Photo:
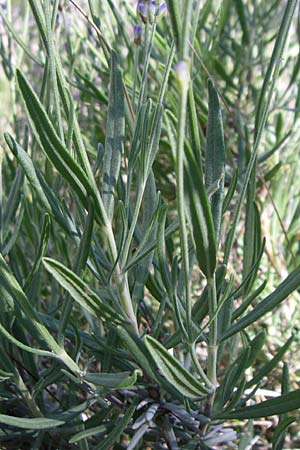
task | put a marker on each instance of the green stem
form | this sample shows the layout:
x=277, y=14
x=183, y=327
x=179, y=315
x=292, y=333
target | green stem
x=121, y=281
x=27, y=397
x=197, y=365
x=134, y=220
x=80, y=262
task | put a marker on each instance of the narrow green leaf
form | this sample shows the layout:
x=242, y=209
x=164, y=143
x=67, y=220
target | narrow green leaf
x=13, y=200
x=215, y=155
x=291, y=283
x=234, y=374
x=200, y=217
x=274, y=65
x=262, y=115
x=173, y=371
x=248, y=300
x=30, y=424
x=20, y=344
x=241, y=11
x=9, y=283
x=39, y=18
x=44, y=237
x=252, y=239
x=87, y=433
x=79, y=290
x=175, y=15
x=71, y=413
x=119, y=428
x=53, y=147
x=280, y=432
x=13, y=235
x=236, y=395
x=5, y=375
x=115, y=131
x=28, y=168
x=19, y=40
x=193, y=125
x=155, y=133
x=255, y=347
x=279, y=405
x=135, y=349
x=279, y=435
x=122, y=380
x=266, y=369
x=230, y=191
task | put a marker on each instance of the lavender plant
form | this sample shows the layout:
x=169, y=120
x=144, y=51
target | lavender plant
x=132, y=300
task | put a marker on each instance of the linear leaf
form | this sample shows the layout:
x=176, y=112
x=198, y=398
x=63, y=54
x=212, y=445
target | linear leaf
x=174, y=11
x=280, y=431
x=285, y=288
x=135, y=348
x=87, y=433
x=173, y=371
x=120, y=426
x=5, y=375
x=18, y=39
x=10, y=285
x=266, y=369
x=79, y=290
x=28, y=168
x=215, y=155
x=20, y=344
x=241, y=11
x=44, y=237
x=115, y=131
x=279, y=405
x=200, y=217
x=122, y=380
x=54, y=149
x=234, y=374
x=30, y=424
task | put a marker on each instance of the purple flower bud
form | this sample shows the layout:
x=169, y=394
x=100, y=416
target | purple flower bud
x=142, y=10
x=162, y=10
x=137, y=34
x=152, y=10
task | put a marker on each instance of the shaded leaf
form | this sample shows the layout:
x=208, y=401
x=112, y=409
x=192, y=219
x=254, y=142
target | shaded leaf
x=279, y=405
x=30, y=424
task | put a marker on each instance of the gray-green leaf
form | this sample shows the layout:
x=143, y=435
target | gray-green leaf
x=174, y=372
x=215, y=155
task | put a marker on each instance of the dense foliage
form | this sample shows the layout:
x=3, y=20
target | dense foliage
x=149, y=224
